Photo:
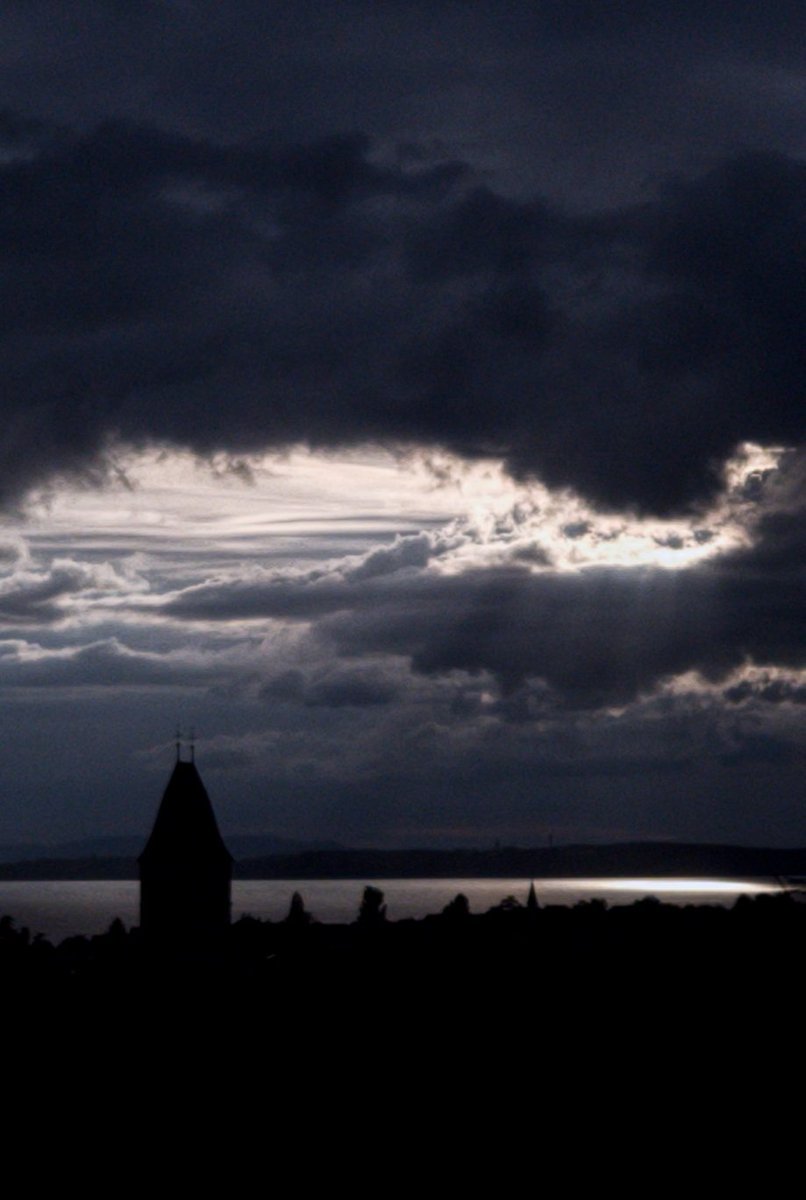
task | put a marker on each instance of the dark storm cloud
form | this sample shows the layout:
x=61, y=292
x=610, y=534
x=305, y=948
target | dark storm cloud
x=497, y=264
x=161, y=287
x=581, y=97
x=597, y=639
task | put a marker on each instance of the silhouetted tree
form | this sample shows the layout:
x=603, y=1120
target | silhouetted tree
x=458, y=908
x=373, y=910
x=298, y=916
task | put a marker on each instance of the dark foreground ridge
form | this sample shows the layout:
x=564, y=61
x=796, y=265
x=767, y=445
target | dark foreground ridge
x=557, y=951
x=580, y=1003
x=645, y=859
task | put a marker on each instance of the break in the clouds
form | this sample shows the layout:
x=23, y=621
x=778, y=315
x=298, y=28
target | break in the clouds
x=512, y=660
x=517, y=597
x=411, y=394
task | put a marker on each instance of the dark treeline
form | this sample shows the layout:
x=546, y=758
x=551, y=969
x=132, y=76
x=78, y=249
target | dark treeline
x=515, y=949
x=579, y=1005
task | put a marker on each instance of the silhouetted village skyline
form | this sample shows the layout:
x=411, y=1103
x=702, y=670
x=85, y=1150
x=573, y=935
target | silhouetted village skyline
x=187, y=941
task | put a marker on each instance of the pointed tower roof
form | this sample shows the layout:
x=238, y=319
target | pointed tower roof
x=185, y=829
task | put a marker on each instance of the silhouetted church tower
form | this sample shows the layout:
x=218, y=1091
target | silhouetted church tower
x=185, y=868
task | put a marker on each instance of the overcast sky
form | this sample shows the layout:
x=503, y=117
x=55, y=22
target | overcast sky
x=409, y=396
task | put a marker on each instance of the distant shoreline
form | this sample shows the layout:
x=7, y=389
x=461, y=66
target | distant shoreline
x=629, y=859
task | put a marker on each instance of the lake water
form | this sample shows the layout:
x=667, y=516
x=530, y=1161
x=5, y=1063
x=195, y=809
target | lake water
x=61, y=909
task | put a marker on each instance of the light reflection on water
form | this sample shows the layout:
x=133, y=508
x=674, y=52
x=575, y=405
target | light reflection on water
x=61, y=909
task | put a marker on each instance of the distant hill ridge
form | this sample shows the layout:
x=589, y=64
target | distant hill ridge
x=626, y=859
x=657, y=859
x=240, y=845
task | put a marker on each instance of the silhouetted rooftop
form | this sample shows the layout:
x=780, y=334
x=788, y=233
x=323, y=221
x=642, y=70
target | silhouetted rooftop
x=185, y=827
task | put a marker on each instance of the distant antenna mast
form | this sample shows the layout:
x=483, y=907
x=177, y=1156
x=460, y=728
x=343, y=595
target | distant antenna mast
x=192, y=744
x=178, y=744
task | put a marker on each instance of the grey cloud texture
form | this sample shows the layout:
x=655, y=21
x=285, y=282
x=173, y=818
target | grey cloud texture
x=333, y=687
x=32, y=597
x=108, y=663
x=597, y=636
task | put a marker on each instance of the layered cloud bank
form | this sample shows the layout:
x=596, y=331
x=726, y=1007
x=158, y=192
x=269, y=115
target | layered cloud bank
x=520, y=662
